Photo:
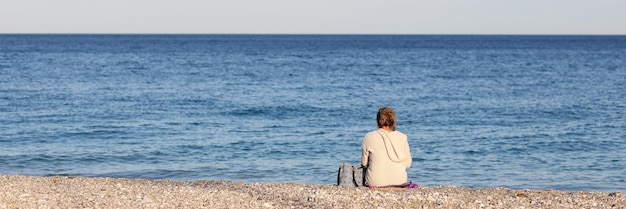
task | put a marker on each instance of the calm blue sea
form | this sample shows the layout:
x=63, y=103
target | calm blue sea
x=539, y=112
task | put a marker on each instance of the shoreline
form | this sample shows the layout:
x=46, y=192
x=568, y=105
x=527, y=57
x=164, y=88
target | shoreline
x=18, y=191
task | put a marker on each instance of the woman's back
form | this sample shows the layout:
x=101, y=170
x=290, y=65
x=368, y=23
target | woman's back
x=387, y=156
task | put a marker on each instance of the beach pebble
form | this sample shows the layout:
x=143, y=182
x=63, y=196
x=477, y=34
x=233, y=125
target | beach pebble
x=81, y=192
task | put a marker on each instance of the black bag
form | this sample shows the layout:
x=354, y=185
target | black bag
x=351, y=176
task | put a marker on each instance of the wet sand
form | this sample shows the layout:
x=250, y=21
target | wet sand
x=81, y=192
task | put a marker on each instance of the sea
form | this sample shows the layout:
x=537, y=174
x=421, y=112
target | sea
x=480, y=111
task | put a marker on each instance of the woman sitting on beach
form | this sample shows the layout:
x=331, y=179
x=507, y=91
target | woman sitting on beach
x=385, y=152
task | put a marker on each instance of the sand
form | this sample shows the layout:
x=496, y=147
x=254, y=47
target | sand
x=82, y=192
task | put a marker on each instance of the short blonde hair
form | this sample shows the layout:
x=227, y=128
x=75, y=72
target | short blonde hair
x=386, y=117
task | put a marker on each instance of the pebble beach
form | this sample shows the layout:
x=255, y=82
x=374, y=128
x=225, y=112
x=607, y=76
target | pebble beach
x=86, y=192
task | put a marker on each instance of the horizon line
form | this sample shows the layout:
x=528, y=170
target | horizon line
x=336, y=34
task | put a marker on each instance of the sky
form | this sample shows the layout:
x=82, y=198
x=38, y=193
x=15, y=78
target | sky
x=314, y=16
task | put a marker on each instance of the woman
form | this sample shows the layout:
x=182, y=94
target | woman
x=385, y=152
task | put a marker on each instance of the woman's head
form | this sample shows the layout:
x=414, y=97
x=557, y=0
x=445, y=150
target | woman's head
x=386, y=117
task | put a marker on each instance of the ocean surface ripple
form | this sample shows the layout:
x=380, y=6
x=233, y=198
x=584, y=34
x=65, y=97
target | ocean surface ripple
x=541, y=112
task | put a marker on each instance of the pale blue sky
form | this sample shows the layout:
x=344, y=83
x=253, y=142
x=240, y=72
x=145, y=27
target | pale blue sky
x=315, y=16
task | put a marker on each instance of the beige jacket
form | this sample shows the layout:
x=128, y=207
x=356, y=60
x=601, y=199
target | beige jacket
x=386, y=159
